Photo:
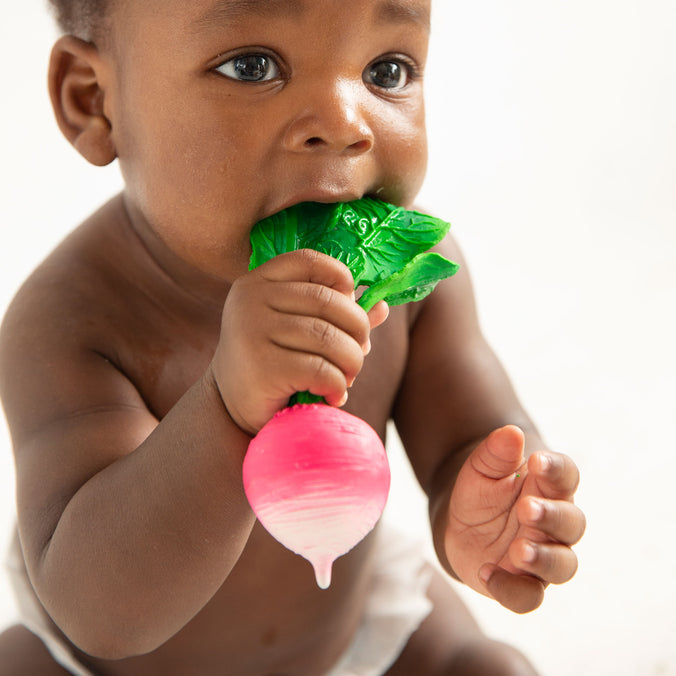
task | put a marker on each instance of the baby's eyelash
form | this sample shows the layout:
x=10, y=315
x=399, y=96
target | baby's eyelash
x=414, y=70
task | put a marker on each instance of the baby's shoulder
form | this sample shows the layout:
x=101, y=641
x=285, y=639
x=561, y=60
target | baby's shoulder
x=77, y=290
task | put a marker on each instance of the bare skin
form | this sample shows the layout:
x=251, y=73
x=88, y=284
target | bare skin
x=138, y=360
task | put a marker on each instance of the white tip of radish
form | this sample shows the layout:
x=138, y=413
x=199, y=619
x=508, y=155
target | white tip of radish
x=323, y=572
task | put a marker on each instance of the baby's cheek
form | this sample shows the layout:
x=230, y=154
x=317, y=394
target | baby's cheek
x=404, y=161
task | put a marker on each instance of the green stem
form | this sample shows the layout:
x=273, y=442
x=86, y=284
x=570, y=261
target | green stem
x=306, y=398
x=367, y=301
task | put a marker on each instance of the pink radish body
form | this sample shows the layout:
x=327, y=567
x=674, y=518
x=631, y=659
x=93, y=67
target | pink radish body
x=317, y=478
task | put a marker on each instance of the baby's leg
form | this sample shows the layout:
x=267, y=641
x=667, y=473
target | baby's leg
x=450, y=643
x=23, y=654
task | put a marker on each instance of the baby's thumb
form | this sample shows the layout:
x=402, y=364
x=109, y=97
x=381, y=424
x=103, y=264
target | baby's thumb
x=501, y=453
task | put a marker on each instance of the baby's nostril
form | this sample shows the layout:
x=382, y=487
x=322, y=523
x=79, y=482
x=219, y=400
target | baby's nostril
x=314, y=141
x=361, y=146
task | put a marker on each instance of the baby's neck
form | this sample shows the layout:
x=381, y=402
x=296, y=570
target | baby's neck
x=208, y=290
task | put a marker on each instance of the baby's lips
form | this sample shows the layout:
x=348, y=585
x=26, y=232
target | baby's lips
x=320, y=195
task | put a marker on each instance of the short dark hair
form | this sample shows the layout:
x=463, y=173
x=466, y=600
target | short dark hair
x=83, y=18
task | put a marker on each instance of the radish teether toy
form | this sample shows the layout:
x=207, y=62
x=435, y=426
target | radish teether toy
x=317, y=477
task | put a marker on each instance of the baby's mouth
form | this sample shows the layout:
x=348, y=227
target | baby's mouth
x=325, y=197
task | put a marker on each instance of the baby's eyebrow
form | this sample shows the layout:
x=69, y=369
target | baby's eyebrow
x=228, y=11
x=405, y=11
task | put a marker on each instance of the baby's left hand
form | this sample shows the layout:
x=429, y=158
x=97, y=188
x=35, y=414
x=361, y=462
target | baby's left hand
x=511, y=523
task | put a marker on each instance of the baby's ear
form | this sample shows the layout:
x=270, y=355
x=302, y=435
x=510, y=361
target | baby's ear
x=77, y=96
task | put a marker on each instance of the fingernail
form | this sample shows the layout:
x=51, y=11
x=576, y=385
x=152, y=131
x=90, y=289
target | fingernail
x=545, y=462
x=367, y=346
x=537, y=510
x=343, y=401
x=485, y=574
x=529, y=553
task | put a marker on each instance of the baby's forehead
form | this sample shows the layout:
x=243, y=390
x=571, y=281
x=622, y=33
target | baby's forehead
x=152, y=19
x=218, y=10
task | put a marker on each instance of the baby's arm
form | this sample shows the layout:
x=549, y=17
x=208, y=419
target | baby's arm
x=456, y=416
x=129, y=524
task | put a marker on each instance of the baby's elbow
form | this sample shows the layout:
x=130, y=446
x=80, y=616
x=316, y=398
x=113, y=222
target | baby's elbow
x=108, y=639
x=99, y=614
x=104, y=625
x=103, y=646
x=105, y=632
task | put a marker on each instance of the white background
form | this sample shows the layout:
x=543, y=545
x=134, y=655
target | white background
x=553, y=153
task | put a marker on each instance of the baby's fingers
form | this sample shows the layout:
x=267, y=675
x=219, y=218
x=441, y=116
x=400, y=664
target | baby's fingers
x=558, y=520
x=378, y=313
x=557, y=476
x=551, y=562
x=519, y=593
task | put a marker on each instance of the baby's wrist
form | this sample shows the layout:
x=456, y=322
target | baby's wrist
x=227, y=406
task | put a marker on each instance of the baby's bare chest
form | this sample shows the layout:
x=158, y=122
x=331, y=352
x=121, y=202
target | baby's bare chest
x=164, y=354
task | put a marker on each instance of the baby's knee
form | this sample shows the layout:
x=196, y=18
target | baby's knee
x=485, y=656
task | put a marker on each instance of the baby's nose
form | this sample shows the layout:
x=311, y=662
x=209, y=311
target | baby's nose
x=331, y=118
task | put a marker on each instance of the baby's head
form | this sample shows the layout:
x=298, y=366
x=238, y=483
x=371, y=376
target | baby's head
x=84, y=18
x=222, y=112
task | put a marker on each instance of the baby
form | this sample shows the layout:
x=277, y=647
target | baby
x=139, y=359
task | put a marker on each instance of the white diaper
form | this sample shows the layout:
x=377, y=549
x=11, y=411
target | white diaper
x=396, y=606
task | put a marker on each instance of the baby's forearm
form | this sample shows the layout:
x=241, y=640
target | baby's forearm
x=146, y=542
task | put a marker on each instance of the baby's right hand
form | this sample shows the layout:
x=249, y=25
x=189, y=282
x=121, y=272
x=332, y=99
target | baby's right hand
x=288, y=326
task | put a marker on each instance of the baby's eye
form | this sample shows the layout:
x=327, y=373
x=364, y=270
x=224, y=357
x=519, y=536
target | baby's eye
x=388, y=74
x=250, y=68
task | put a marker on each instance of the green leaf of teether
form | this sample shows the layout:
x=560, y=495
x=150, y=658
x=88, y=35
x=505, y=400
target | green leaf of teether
x=413, y=282
x=383, y=245
x=374, y=239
